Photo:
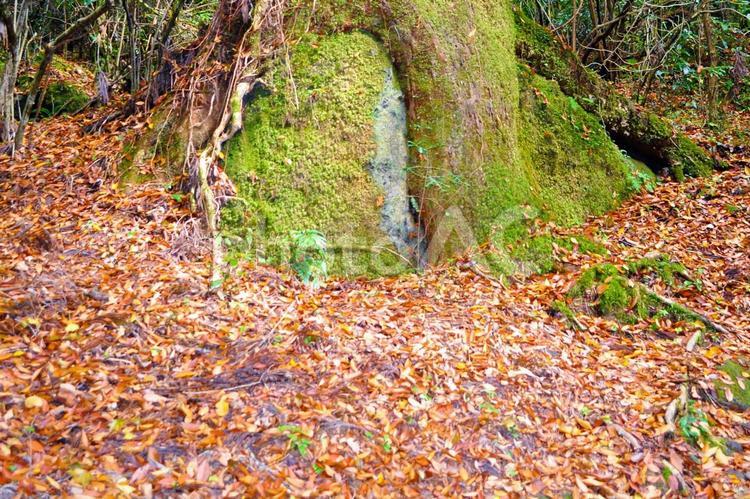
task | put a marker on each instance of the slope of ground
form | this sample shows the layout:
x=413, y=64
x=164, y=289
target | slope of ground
x=120, y=374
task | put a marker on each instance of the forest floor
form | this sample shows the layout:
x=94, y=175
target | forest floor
x=120, y=373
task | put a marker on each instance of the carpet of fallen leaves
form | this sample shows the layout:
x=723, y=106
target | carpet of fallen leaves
x=121, y=375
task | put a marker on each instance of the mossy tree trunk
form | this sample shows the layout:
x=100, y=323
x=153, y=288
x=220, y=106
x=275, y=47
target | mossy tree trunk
x=642, y=133
x=488, y=140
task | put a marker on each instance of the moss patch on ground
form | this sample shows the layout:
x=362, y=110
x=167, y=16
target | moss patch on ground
x=537, y=254
x=616, y=292
x=661, y=267
x=739, y=373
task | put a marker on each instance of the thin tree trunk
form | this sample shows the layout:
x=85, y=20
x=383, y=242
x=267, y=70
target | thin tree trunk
x=167, y=31
x=49, y=52
x=712, y=82
x=16, y=31
x=574, y=28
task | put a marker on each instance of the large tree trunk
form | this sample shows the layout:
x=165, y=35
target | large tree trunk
x=491, y=144
x=642, y=133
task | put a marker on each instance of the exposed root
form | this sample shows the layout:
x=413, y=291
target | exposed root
x=688, y=312
x=205, y=174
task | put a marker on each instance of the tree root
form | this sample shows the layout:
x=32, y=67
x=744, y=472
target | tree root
x=473, y=267
x=687, y=312
x=210, y=209
x=245, y=73
x=710, y=396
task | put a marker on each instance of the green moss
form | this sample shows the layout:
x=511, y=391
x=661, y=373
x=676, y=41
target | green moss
x=562, y=308
x=538, y=253
x=536, y=46
x=616, y=298
x=489, y=139
x=582, y=244
x=158, y=152
x=739, y=372
x=464, y=127
x=661, y=266
x=691, y=158
x=300, y=162
x=62, y=98
x=591, y=277
x=64, y=93
x=574, y=168
x=614, y=294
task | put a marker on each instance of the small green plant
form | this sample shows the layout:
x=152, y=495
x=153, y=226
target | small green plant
x=733, y=209
x=512, y=428
x=694, y=426
x=437, y=182
x=638, y=179
x=489, y=408
x=309, y=257
x=697, y=284
x=387, y=444
x=666, y=473
x=297, y=439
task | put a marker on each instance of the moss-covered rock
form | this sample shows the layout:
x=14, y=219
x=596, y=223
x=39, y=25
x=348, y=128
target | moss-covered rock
x=488, y=139
x=739, y=387
x=63, y=91
x=62, y=98
x=642, y=133
x=574, y=169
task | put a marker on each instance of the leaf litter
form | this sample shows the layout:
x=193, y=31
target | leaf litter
x=121, y=375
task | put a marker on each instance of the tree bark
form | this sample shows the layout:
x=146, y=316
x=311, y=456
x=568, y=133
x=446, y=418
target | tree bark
x=15, y=26
x=49, y=52
x=712, y=82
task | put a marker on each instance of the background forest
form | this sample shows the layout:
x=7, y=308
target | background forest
x=690, y=57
